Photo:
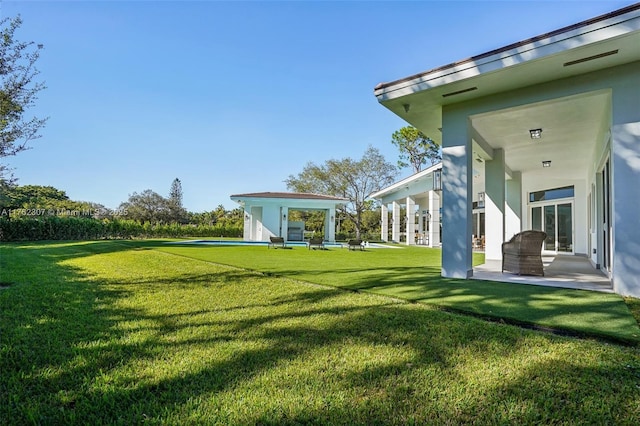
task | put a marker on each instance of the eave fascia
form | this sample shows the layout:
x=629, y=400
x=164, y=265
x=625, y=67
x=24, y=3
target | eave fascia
x=541, y=47
x=292, y=203
x=396, y=187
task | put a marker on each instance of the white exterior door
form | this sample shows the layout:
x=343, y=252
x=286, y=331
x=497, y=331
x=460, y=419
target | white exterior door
x=556, y=219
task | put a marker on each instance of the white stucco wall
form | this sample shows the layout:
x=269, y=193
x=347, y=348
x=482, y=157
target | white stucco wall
x=625, y=168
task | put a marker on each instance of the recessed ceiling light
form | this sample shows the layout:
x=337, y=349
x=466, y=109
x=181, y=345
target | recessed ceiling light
x=535, y=133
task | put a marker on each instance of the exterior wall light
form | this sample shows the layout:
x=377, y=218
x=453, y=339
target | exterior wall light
x=546, y=163
x=480, y=200
x=437, y=180
x=535, y=133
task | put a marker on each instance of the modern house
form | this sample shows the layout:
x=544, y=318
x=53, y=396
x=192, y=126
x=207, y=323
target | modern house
x=419, y=194
x=546, y=132
x=266, y=214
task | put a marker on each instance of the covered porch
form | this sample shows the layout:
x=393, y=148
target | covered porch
x=414, y=203
x=545, y=132
x=267, y=214
x=574, y=272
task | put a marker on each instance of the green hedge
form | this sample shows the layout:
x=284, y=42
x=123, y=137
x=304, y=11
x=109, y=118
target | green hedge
x=365, y=236
x=77, y=228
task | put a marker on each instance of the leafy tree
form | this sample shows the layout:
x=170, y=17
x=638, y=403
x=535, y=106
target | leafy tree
x=218, y=216
x=371, y=221
x=352, y=179
x=37, y=196
x=219, y=213
x=175, y=193
x=47, y=198
x=203, y=218
x=148, y=206
x=177, y=213
x=6, y=186
x=229, y=218
x=18, y=91
x=415, y=148
x=313, y=220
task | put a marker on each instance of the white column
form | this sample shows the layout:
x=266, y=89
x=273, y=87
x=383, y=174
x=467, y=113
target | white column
x=395, y=222
x=513, y=208
x=284, y=222
x=411, y=221
x=625, y=175
x=421, y=209
x=384, y=222
x=246, y=230
x=457, y=202
x=330, y=225
x=494, y=203
x=434, y=221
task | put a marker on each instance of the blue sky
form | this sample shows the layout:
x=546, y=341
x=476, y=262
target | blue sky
x=233, y=97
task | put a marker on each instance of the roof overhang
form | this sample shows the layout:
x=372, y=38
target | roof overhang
x=417, y=183
x=291, y=199
x=599, y=43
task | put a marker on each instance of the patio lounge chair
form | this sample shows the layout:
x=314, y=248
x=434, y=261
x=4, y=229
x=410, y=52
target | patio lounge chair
x=355, y=244
x=277, y=242
x=522, y=253
x=316, y=243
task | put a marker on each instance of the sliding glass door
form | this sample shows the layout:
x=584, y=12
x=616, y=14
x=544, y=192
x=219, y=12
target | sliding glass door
x=557, y=221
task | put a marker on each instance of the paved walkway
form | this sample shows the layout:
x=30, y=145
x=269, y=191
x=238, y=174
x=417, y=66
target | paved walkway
x=560, y=271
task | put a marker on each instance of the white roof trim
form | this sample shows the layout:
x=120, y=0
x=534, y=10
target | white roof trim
x=404, y=182
x=539, y=48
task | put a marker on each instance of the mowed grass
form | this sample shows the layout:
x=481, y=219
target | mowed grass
x=413, y=274
x=110, y=333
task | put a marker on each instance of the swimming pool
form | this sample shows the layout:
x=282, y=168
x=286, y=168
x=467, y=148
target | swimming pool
x=266, y=243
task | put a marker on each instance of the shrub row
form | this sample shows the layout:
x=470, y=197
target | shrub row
x=78, y=228
x=365, y=236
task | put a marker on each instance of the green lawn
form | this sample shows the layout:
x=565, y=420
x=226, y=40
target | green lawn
x=129, y=333
x=413, y=274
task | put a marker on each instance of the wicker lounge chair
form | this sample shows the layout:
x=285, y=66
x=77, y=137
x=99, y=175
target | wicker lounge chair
x=522, y=254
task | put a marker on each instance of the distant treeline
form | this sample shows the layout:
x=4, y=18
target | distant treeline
x=30, y=228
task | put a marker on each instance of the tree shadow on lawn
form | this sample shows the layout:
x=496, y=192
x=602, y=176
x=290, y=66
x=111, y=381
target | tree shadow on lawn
x=68, y=357
x=565, y=311
x=61, y=250
x=568, y=311
x=52, y=376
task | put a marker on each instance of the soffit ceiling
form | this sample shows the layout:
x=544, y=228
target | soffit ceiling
x=571, y=128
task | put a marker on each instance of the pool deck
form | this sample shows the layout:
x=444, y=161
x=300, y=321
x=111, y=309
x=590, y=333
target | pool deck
x=265, y=243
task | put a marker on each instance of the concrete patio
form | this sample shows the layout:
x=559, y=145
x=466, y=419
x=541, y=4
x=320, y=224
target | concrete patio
x=562, y=271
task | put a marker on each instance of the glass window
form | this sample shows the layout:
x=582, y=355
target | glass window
x=550, y=227
x=552, y=194
x=565, y=228
x=536, y=218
